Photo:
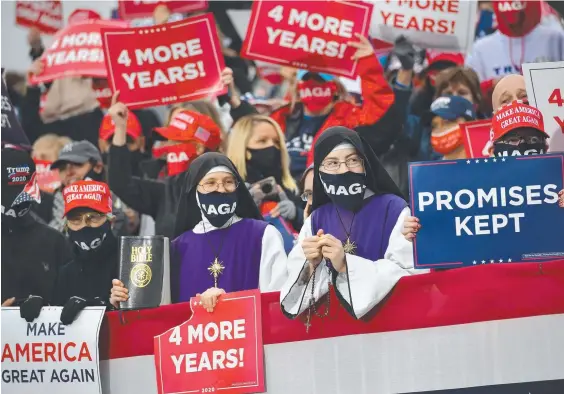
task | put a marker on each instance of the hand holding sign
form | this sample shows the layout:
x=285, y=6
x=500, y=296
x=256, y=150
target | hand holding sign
x=210, y=297
x=363, y=47
x=119, y=113
x=410, y=227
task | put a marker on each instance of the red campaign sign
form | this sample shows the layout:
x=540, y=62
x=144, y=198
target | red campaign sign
x=47, y=16
x=129, y=9
x=220, y=351
x=76, y=52
x=476, y=136
x=165, y=64
x=307, y=34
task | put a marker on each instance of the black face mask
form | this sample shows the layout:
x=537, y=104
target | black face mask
x=267, y=161
x=95, y=176
x=90, y=239
x=14, y=215
x=218, y=207
x=504, y=150
x=345, y=190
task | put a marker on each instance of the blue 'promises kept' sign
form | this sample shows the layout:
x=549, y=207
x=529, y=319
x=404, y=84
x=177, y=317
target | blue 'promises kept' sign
x=488, y=211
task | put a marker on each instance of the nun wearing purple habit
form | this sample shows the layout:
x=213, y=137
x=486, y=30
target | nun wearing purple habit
x=224, y=246
x=353, y=237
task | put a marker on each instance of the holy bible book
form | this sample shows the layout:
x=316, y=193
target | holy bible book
x=145, y=271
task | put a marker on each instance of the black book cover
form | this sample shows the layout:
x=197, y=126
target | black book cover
x=144, y=270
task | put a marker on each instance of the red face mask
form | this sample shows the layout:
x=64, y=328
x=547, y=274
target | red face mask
x=47, y=179
x=178, y=157
x=517, y=18
x=447, y=140
x=103, y=92
x=316, y=96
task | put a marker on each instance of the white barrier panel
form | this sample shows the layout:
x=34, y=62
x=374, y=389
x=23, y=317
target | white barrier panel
x=439, y=358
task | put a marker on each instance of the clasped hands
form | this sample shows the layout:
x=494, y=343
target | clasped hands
x=324, y=246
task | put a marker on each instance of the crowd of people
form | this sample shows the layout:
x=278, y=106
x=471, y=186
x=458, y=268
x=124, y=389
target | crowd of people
x=290, y=192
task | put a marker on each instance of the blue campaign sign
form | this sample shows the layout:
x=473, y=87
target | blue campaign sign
x=488, y=211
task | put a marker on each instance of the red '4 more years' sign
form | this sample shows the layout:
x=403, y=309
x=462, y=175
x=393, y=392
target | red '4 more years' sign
x=476, y=137
x=132, y=9
x=307, y=34
x=218, y=352
x=76, y=52
x=47, y=16
x=165, y=64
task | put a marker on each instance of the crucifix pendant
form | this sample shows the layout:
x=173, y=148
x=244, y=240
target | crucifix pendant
x=216, y=268
x=349, y=246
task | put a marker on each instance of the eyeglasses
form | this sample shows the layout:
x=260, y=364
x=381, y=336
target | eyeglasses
x=306, y=196
x=212, y=186
x=89, y=218
x=517, y=139
x=333, y=165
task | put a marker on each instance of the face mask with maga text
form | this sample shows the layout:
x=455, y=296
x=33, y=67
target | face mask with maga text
x=178, y=157
x=345, y=190
x=316, y=96
x=218, y=207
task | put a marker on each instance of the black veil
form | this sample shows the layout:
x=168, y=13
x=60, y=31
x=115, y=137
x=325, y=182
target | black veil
x=377, y=178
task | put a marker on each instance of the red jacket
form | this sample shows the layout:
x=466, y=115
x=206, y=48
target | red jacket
x=377, y=96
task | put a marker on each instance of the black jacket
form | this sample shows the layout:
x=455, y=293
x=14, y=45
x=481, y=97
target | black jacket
x=31, y=256
x=88, y=275
x=158, y=199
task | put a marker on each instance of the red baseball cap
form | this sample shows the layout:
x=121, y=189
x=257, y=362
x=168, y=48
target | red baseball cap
x=107, y=127
x=88, y=194
x=81, y=15
x=188, y=126
x=516, y=115
x=434, y=56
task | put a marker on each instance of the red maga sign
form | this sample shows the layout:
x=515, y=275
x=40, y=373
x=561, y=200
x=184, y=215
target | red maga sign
x=76, y=52
x=144, y=8
x=213, y=352
x=47, y=16
x=307, y=34
x=165, y=64
x=476, y=136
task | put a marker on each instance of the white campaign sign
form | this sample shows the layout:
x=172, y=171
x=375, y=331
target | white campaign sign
x=47, y=357
x=445, y=25
x=545, y=90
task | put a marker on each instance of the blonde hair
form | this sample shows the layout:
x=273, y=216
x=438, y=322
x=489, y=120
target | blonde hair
x=237, y=147
x=50, y=142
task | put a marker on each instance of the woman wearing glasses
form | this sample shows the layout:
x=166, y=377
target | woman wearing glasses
x=226, y=246
x=353, y=238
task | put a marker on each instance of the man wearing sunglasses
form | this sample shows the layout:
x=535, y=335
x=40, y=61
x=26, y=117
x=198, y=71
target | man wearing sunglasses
x=87, y=280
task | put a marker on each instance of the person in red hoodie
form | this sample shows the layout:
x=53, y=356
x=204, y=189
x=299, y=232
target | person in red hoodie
x=318, y=106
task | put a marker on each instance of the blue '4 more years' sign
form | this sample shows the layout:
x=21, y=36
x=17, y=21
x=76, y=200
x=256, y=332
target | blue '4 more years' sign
x=488, y=211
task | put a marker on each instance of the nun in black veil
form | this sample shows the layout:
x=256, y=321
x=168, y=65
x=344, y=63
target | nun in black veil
x=224, y=245
x=353, y=237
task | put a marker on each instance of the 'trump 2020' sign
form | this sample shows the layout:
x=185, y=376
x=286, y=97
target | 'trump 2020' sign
x=214, y=352
x=47, y=357
x=486, y=211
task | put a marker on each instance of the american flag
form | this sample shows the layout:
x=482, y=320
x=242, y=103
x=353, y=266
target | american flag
x=202, y=134
x=30, y=193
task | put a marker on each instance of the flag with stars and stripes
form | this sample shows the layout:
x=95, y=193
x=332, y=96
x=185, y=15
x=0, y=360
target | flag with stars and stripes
x=30, y=193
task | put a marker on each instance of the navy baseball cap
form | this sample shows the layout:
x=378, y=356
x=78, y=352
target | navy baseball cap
x=452, y=108
x=303, y=74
